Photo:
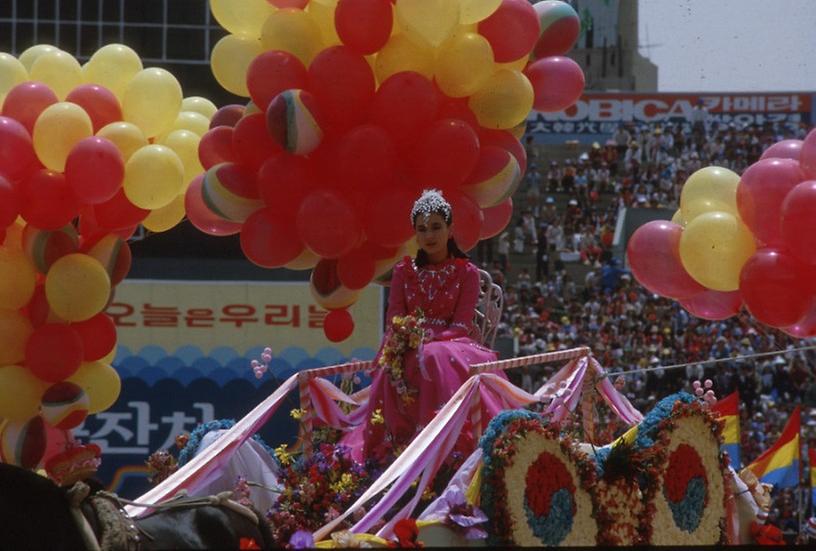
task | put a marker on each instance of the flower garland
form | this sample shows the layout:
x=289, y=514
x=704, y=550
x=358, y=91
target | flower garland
x=406, y=334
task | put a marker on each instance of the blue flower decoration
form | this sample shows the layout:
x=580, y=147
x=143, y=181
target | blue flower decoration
x=554, y=527
x=688, y=512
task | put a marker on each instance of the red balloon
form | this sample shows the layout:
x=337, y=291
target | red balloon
x=284, y=181
x=100, y=103
x=229, y=115
x=38, y=308
x=252, y=143
x=215, y=147
x=807, y=156
x=98, y=336
x=467, y=221
x=805, y=327
x=496, y=219
x=118, y=213
x=343, y=83
x=506, y=140
x=9, y=203
x=364, y=25
x=202, y=217
x=457, y=108
x=512, y=30
x=356, y=269
x=271, y=73
x=2, y=236
x=17, y=156
x=713, y=305
x=54, y=352
x=557, y=81
x=785, y=149
x=654, y=256
x=799, y=221
x=269, y=240
x=760, y=193
x=116, y=256
x=445, y=154
x=47, y=201
x=777, y=288
x=327, y=224
x=389, y=224
x=404, y=105
x=338, y=325
x=365, y=158
x=94, y=170
x=26, y=101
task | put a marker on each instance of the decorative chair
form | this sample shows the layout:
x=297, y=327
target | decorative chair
x=488, y=309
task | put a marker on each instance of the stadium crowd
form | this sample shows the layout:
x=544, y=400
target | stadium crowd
x=567, y=216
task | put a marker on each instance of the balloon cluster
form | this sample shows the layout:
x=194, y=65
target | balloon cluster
x=740, y=240
x=86, y=154
x=356, y=106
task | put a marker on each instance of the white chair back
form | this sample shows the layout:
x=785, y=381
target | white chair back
x=488, y=309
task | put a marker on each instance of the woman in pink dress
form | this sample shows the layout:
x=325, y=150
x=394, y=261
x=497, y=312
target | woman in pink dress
x=442, y=287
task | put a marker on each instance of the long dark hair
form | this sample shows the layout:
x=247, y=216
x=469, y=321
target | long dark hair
x=453, y=249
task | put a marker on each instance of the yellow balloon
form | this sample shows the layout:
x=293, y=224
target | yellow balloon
x=100, y=382
x=473, y=11
x=185, y=144
x=194, y=122
x=517, y=65
x=77, y=287
x=113, y=66
x=430, y=21
x=152, y=101
x=17, y=279
x=154, y=176
x=400, y=54
x=322, y=13
x=519, y=130
x=242, y=16
x=199, y=105
x=126, y=136
x=12, y=73
x=15, y=329
x=713, y=248
x=20, y=393
x=166, y=217
x=464, y=65
x=292, y=31
x=712, y=188
x=305, y=261
x=59, y=70
x=57, y=130
x=14, y=235
x=28, y=57
x=108, y=359
x=678, y=217
x=504, y=101
x=230, y=61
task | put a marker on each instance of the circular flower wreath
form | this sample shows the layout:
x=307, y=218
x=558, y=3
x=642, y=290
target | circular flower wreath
x=688, y=494
x=534, y=485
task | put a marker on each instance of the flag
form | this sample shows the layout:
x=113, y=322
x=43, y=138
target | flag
x=812, y=461
x=779, y=465
x=728, y=410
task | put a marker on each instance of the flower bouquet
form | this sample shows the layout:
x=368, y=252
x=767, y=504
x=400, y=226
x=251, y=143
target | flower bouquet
x=406, y=333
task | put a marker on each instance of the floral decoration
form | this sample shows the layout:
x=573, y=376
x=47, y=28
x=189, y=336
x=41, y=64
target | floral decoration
x=406, y=333
x=193, y=441
x=317, y=489
x=686, y=487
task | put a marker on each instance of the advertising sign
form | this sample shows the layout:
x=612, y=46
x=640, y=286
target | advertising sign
x=594, y=117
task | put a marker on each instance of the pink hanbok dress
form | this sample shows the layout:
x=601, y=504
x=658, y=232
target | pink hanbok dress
x=447, y=295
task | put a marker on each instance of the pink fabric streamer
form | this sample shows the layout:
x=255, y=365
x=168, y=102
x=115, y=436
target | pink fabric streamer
x=196, y=473
x=324, y=397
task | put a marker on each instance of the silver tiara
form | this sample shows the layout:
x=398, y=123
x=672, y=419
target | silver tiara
x=429, y=202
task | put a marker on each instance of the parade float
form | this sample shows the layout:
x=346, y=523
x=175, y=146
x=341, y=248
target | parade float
x=354, y=103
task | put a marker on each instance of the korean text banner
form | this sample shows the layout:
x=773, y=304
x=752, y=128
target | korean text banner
x=238, y=315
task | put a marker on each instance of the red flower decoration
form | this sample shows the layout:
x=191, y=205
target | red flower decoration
x=248, y=543
x=407, y=534
x=544, y=477
x=684, y=464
